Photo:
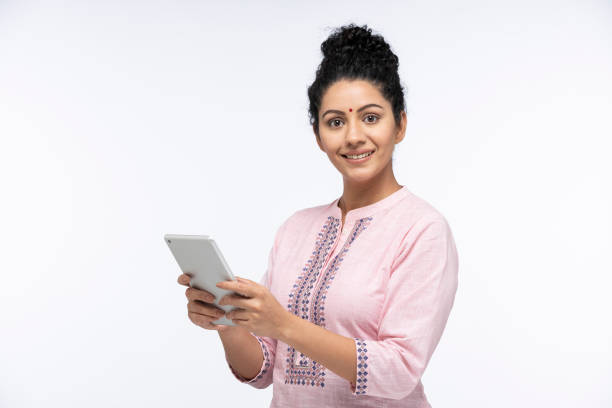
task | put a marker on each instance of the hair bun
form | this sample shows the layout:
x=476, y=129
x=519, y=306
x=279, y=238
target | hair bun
x=352, y=43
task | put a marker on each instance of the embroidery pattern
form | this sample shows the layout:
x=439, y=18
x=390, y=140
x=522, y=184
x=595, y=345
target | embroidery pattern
x=266, y=357
x=266, y=365
x=299, y=299
x=305, y=371
x=362, y=365
x=300, y=290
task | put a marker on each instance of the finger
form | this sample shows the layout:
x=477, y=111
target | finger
x=220, y=327
x=253, y=287
x=238, y=314
x=235, y=300
x=239, y=322
x=198, y=294
x=184, y=279
x=209, y=311
x=242, y=288
x=202, y=321
x=244, y=280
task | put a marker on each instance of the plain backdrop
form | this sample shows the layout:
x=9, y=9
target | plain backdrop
x=121, y=121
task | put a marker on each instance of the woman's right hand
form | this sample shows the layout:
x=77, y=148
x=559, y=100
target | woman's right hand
x=201, y=309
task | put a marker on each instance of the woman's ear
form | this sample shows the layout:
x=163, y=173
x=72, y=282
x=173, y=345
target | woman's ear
x=402, y=128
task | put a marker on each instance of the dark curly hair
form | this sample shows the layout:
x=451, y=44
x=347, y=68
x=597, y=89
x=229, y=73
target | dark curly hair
x=352, y=52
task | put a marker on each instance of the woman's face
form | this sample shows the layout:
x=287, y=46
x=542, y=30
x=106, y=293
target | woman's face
x=351, y=123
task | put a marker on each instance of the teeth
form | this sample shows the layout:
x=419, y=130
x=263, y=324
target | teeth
x=359, y=156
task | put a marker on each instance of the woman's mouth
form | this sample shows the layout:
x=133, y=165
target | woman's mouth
x=361, y=158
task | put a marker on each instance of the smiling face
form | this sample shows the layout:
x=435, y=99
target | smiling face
x=355, y=118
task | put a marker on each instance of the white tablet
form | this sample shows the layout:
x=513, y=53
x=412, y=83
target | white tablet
x=199, y=257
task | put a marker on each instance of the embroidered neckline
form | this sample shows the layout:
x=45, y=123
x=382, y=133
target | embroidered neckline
x=368, y=210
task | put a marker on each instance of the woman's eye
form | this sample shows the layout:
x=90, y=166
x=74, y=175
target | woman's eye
x=333, y=121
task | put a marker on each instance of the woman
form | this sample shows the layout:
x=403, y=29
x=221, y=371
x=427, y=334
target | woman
x=358, y=291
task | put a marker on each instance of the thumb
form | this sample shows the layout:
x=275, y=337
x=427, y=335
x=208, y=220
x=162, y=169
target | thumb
x=221, y=327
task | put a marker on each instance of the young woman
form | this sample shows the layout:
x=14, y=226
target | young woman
x=357, y=291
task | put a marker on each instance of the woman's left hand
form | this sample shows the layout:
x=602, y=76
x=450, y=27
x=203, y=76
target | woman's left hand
x=259, y=312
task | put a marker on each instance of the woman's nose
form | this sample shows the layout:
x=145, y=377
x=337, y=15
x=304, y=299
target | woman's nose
x=353, y=133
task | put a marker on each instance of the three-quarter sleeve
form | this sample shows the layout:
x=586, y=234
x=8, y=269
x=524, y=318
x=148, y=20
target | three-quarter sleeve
x=264, y=377
x=418, y=299
x=268, y=348
x=268, y=344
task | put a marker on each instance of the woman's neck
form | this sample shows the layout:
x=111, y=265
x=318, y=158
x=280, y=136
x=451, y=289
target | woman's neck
x=359, y=196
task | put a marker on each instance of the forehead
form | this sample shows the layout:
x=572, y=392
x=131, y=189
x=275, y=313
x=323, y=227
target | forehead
x=351, y=93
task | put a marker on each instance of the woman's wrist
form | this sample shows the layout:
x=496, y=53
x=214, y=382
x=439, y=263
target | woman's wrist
x=231, y=332
x=242, y=351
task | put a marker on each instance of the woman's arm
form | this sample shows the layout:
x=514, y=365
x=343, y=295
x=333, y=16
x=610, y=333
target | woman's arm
x=242, y=351
x=336, y=352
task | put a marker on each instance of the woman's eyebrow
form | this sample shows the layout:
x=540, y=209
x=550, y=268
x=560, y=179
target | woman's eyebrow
x=358, y=110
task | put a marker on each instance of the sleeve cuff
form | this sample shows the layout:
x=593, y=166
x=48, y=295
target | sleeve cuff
x=361, y=385
x=265, y=366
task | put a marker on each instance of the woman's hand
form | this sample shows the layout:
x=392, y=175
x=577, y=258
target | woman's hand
x=259, y=312
x=201, y=309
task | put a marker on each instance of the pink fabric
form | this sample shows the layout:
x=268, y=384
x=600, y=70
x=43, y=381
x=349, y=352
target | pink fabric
x=387, y=279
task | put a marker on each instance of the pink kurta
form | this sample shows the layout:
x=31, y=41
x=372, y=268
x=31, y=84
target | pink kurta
x=387, y=279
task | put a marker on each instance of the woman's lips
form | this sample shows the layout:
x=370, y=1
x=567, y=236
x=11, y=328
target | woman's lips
x=359, y=161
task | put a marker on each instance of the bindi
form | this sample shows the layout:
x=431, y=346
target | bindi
x=350, y=109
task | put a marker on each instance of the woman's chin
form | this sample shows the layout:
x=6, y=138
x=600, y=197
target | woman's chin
x=358, y=177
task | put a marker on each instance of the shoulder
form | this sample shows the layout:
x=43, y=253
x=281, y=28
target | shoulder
x=418, y=224
x=416, y=212
x=424, y=234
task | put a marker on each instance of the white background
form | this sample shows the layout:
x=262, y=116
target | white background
x=122, y=121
